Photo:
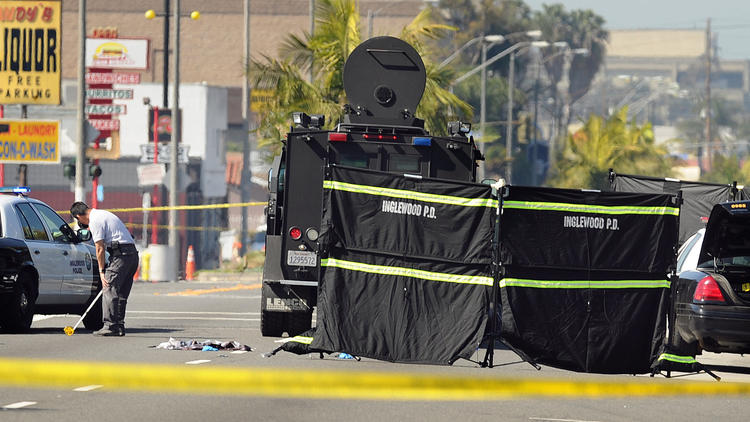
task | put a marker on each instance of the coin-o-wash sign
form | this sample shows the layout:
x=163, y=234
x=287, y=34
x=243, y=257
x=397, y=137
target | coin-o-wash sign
x=30, y=52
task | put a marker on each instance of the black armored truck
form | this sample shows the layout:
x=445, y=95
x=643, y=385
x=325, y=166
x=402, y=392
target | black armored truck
x=384, y=79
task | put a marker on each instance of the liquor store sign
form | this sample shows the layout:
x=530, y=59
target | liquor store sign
x=30, y=52
x=29, y=141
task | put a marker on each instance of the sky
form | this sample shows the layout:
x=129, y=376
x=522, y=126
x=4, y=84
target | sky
x=730, y=19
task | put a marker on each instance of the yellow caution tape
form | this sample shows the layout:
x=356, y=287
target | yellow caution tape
x=279, y=382
x=181, y=207
x=189, y=228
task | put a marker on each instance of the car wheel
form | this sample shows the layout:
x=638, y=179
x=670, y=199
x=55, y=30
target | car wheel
x=19, y=310
x=271, y=324
x=681, y=347
x=93, y=320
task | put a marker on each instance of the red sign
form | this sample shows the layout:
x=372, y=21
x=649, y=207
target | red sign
x=113, y=78
x=104, y=124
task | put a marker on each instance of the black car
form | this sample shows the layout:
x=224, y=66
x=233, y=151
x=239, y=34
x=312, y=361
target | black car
x=712, y=293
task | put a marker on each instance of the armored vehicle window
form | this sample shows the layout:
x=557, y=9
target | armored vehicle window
x=354, y=160
x=53, y=223
x=33, y=229
x=404, y=163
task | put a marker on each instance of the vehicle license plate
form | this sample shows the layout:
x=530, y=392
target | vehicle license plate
x=302, y=258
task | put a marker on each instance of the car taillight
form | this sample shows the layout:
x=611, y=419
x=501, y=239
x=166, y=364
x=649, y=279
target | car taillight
x=708, y=291
x=295, y=233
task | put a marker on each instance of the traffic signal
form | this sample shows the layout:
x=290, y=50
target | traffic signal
x=95, y=171
x=69, y=170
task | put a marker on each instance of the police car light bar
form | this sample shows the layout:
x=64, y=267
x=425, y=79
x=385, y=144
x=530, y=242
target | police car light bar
x=15, y=189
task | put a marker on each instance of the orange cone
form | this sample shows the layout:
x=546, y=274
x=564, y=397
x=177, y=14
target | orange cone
x=190, y=265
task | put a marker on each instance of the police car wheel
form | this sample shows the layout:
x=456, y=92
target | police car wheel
x=19, y=310
x=682, y=347
x=93, y=320
x=271, y=324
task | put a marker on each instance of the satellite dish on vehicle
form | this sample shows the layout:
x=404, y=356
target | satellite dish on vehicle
x=384, y=79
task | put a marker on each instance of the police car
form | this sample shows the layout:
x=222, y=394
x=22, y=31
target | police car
x=712, y=293
x=45, y=266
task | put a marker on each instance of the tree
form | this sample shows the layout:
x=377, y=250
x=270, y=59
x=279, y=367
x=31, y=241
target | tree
x=612, y=143
x=337, y=33
x=579, y=29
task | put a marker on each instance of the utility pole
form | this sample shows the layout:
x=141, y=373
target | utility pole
x=509, y=124
x=482, y=107
x=708, y=159
x=80, y=190
x=246, y=170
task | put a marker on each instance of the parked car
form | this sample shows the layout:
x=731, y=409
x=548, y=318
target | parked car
x=45, y=266
x=712, y=294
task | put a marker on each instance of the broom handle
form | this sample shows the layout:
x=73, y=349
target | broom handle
x=88, y=309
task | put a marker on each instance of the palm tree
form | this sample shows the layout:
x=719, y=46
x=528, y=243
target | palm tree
x=612, y=143
x=324, y=53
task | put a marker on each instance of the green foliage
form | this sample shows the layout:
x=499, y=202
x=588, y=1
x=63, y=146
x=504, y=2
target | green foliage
x=726, y=170
x=324, y=53
x=612, y=143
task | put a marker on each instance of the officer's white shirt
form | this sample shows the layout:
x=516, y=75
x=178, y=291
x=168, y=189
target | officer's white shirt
x=108, y=227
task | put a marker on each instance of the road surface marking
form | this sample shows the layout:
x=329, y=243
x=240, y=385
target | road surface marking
x=19, y=405
x=193, y=313
x=193, y=319
x=197, y=362
x=88, y=387
x=238, y=352
x=558, y=420
x=198, y=292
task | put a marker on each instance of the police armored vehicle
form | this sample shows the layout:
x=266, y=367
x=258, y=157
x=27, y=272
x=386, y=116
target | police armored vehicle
x=384, y=79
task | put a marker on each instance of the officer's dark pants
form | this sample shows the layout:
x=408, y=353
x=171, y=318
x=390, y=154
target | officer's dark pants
x=119, y=275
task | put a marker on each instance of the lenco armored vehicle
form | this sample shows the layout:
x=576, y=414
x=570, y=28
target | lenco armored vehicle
x=384, y=79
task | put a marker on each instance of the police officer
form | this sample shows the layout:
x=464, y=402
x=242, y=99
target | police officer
x=110, y=234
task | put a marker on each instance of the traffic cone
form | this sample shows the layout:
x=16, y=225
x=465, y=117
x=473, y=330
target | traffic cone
x=190, y=264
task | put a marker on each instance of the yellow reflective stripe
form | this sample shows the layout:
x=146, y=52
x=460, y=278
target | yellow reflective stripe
x=677, y=358
x=594, y=209
x=584, y=284
x=301, y=339
x=406, y=272
x=408, y=194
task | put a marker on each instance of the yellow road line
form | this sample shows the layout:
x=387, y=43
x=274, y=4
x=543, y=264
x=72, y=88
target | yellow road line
x=279, y=382
x=198, y=292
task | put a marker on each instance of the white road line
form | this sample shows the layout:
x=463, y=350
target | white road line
x=193, y=313
x=188, y=318
x=197, y=362
x=19, y=405
x=88, y=387
x=238, y=352
x=43, y=317
x=558, y=420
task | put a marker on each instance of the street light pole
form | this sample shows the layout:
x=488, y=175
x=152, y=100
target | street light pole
x=509, y=123
x=165, y=68
x=246, y=174
x=80, y=191
x=176, y=132
x=482, y=108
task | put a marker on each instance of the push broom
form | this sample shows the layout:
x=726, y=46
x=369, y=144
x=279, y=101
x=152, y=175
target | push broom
x=70, y=330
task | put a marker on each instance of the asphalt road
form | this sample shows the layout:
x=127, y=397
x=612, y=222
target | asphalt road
x=228, y=311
